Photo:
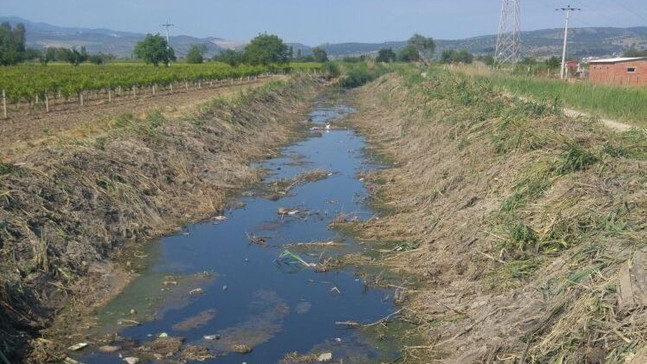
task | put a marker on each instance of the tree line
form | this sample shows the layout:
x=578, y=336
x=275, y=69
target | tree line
x=421, y=49
x=14, y=51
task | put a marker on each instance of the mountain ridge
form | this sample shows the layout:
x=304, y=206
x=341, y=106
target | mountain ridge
x=583, y=42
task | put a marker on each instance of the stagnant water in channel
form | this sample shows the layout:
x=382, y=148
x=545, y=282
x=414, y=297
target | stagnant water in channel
x=211, y=282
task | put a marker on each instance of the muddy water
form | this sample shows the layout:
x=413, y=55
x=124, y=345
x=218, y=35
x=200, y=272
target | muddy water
x=210, y=281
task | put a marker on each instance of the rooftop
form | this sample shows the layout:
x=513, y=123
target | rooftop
x=617, y=60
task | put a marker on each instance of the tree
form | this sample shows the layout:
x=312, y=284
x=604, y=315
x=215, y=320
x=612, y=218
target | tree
x=320, y=55
x=266, y=49
x=31, y=54
x=424, y=46
x=75, y=57
x=230, y=57
x=386, y=55
x=528, y=61
x=633, y=52
x=12, y=44
x=409, y=54
x=453, y=56
x=553, y=63
x=154, y=49
x=100, y=58
x=196, y=53
x=488, y=60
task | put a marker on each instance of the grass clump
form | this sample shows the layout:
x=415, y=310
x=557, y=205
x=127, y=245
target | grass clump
x=358, y=74
x=574, y=158
x=6, y=168
x=627, y=104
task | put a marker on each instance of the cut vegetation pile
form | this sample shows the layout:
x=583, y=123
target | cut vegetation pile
x=66, y=209
x=518, y=220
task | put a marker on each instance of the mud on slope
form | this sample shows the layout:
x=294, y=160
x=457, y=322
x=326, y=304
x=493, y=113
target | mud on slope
x=515, y=217
x=68, y=211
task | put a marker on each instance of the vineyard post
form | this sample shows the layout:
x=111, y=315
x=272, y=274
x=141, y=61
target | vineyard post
x=81, y=97
x=199, y=84
x=153, y=89
x=46, y=103
x=171, y=87
x=232, y=80
x=134, y=91
x=109, y=95
x=211, y=83
x=186, y=85
x=4, y=103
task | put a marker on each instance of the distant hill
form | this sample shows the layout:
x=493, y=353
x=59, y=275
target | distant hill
x=583, y=42
x=121, y=44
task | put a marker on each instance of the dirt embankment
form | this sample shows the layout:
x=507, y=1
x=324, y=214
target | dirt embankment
x=68, y=210
x=35, y=127
x=516, y=219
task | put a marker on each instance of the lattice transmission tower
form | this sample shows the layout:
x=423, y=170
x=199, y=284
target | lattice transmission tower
x=508, y=40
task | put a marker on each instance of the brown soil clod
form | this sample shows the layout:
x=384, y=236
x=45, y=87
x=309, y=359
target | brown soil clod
x=196, y=321
x=241, y=348
x=164, y=346
x=197, y=353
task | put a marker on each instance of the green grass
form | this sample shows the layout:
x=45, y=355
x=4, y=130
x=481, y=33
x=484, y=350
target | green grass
x=624, y=104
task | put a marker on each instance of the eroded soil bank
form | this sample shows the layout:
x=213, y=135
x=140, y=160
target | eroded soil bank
x=516, y=219
x=260, y=283
x=68, y=211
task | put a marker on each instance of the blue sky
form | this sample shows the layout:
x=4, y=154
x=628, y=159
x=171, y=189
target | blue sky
x=316, y=22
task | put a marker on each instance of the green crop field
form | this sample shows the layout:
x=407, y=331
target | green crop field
x=624, y=104
x=25, y=82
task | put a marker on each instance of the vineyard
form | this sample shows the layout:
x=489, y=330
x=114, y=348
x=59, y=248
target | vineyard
x=31, y=83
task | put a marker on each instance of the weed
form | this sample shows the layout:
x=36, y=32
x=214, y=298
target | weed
x=124, y=120
x=155, y=118
x=41, y=257
x=626, y=103
x=574, y=159
x=6, y=168
x=100, y=143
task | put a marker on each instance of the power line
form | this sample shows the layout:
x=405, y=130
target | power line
x=631, y=11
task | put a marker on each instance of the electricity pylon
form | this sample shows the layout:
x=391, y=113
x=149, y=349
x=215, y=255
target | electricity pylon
x=508, y=39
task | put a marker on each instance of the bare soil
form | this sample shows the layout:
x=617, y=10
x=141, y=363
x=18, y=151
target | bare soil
x=513, y=219
x=37, y=127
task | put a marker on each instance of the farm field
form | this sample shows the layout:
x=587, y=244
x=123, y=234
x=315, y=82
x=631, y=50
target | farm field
x=24, y=83
x=33, y=126
x=622, y=104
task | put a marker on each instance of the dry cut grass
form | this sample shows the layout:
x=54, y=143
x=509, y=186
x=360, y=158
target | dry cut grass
x=516, y=218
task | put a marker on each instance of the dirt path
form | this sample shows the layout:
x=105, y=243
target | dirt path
x=611, y=124
x=21, y=131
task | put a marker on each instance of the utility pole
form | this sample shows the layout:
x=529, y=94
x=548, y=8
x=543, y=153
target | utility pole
x=168, y=26
x=568, y=9
x=168, y=39
x=508, y=39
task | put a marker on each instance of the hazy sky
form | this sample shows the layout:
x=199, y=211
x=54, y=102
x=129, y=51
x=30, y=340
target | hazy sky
x=315, y=22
